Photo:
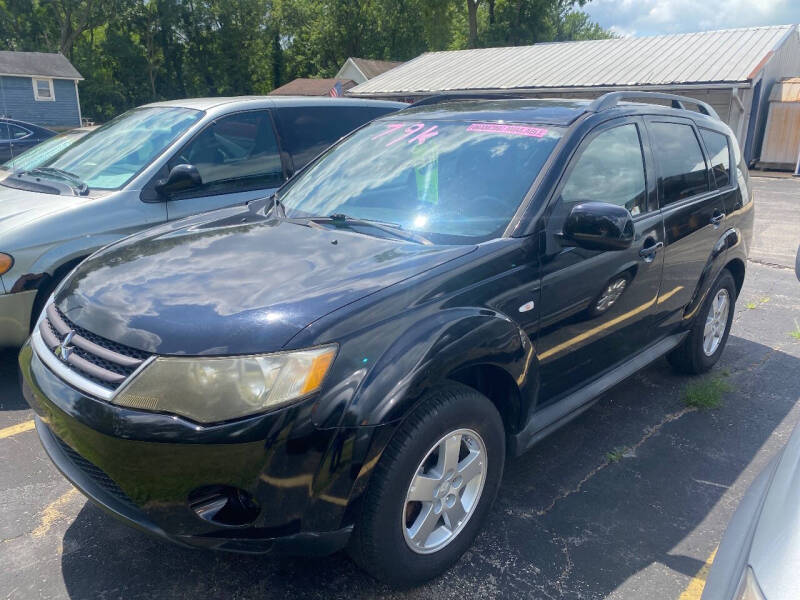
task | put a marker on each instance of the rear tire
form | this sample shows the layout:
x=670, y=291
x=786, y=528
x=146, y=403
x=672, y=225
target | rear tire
x=426, y=501
x=707, y=338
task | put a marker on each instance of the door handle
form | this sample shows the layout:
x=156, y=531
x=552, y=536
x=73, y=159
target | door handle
x=648, y=253
x=717, y=219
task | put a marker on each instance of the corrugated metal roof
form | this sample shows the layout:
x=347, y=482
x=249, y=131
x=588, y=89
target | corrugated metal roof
x=730, y=55
x=42, y=64
x=786, y=90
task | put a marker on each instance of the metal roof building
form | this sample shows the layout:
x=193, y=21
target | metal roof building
x=733, y=70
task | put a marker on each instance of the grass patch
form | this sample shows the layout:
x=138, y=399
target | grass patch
x=764, y=300
x=706, y=394
x=751, y=305
x=616, y=454
x=796, y=333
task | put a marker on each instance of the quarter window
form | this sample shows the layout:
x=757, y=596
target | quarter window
x=720, y=156
x=609, y=169
x=17, y=133
x=682, y=168
x=239, y=151
x=43, y=89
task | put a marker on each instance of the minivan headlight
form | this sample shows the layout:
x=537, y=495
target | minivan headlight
x=213, y=389
x=6, y=262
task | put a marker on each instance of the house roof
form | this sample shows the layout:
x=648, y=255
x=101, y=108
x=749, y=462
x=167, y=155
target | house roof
x=372, y=68
x=311, y=87
x=37, y=64
x=732, y=55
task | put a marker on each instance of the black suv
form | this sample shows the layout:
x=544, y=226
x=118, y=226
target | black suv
x=350, y=362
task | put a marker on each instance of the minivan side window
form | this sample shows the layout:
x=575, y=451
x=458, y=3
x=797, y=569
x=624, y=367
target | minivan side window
x=683, y=172
x=235, y=152
x=719, y=154
x=609, y=169
x=307, y=131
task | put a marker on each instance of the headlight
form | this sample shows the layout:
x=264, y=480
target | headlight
x=748, y=588
x=213, y=389
x=6, y=262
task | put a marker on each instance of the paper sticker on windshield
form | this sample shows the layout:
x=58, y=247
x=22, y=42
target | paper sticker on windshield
x=525, y=130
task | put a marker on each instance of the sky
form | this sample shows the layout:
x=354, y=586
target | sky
x=653, y=17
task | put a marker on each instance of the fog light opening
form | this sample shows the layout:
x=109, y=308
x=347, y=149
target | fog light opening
x=224, y=505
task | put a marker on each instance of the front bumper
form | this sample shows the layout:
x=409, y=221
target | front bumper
x=142, y=467
x=15, y=317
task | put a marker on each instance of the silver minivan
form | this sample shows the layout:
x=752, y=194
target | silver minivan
x=156, y=163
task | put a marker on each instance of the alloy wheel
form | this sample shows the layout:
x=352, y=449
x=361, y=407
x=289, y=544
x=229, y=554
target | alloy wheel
x=716, y=322
x=444, y=492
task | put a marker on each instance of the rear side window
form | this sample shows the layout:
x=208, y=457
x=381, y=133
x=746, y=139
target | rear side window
x=682, y=168
x=307, y=131
x=719, y=153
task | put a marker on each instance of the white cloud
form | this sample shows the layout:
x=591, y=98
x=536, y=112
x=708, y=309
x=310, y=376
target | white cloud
x=652, y=17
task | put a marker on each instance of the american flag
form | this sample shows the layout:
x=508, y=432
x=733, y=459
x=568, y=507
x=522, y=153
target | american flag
x=336, y=91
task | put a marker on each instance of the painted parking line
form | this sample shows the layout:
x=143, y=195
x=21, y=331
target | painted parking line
x=7, y=432
x=694, y=590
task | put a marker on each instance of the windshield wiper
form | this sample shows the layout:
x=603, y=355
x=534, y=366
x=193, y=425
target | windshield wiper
x=79, y=185
x=278, y=206
x=340, y=219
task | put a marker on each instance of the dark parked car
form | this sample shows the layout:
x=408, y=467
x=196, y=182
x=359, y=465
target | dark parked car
x=350, y=362
x=18, y=136
x=32, y=158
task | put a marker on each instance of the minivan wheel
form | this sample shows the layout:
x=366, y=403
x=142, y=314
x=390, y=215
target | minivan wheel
x=706, y=340
x=432, y=488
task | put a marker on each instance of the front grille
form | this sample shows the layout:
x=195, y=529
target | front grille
x=93, y=357
x=94, y=473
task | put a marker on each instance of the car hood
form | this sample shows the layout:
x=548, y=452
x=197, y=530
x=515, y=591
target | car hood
x=20, y=207
x=233, y=287
x=775, y=551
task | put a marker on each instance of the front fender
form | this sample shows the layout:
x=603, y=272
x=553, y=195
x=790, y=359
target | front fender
x=434, y=348
x=38, y=272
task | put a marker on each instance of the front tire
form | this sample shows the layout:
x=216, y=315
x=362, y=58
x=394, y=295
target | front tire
x=706, y=340
x=432, y=488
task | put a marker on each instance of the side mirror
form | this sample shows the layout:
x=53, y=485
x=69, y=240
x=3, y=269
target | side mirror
x=599, y=226
x=181, y=177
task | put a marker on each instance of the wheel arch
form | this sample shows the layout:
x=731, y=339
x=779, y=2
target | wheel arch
x=480, y=348
x=737, y=269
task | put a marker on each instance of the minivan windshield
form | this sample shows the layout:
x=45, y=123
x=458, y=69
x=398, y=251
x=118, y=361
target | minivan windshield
x=451, y=181
x=111, y=155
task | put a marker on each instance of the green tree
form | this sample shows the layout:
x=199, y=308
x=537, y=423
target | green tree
x=135, y=51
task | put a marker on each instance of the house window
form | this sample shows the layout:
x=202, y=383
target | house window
x=43, y=89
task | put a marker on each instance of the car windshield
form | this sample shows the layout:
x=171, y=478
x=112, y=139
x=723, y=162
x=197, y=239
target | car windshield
x=451, y=181
x=30, y=159
x=111, y=155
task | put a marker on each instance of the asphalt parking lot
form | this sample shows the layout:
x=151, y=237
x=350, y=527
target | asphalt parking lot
x=628, y=501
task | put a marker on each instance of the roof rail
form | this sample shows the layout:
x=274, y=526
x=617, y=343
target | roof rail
x=449, y=97
x=610, y=100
